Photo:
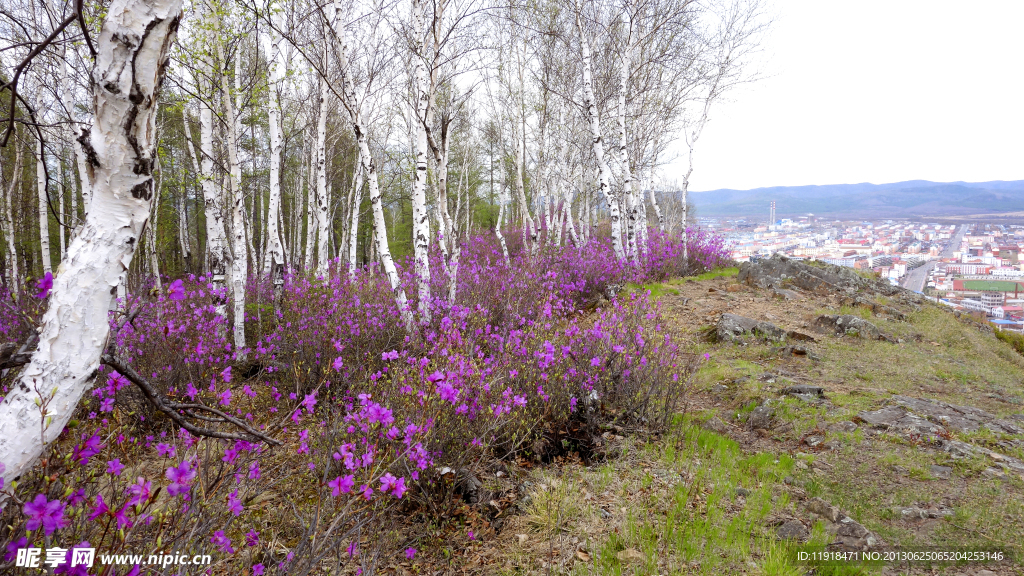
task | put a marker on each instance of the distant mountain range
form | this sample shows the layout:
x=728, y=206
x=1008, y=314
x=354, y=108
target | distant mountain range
x=913, y=198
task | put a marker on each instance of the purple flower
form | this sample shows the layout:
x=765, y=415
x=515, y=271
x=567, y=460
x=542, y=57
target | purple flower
x=107, y=405
x=399, y=488
x=87, y=449
x=447, y=392
x=180, y=477
x=377, y=413
x=257, y=570
x=310, y=401
x=226, y=374
x=45, y=285
x=410, y=553
x=225, y=397
x=115, y=467
x=222, y=541
x=77, y=497
x=252, y=538
x=342, y=485
x=166, y=450
x=176, y=290
x=338, y=363
x=387, y=482
x=100, y=509
x=139, y=491
x=12, y=548
x=235, y=503
x=48, y=514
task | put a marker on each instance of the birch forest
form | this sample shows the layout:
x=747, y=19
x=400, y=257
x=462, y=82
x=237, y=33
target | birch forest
x=306, y=270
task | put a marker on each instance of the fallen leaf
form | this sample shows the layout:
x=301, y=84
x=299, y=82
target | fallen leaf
x=583, y=556
x=522, y=538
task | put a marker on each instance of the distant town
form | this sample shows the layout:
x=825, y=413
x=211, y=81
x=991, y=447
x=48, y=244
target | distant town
x=973, y=267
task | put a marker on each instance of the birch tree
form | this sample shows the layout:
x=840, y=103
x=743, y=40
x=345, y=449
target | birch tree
x=274, y=262
x=131, y=59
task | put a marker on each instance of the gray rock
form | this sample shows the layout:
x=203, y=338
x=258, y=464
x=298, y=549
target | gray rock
x=824, y=509
x=813, y=441
x=740, y=491
x=795, y=350
x=941, y=472
x=804, y=389
x=715, y=425
x=847, y=324
x=844, y=426
x=761, y=418
x=853, y=535
x=787, y=294
x=792, y=530
x=719, y=389
x=732, y=327
x=959, y=418
x=910, y=513
x=899, y=419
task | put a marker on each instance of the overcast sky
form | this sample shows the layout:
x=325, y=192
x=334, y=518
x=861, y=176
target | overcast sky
x=875, y=91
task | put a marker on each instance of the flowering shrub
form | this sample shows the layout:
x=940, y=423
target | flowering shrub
x=368, y=414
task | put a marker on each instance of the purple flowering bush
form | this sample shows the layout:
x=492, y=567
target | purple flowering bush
x=369, y=415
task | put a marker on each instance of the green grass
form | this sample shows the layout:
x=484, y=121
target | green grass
x=697, y=525
x=1014, y=339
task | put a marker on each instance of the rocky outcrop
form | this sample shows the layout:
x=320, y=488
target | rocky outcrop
x=849, y=325
x=732, y=328
x=847, y=533
x=935, y=421
x=781, y=272
x=931, y=416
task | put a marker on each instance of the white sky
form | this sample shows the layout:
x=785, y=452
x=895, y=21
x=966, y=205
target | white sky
x=874, y=91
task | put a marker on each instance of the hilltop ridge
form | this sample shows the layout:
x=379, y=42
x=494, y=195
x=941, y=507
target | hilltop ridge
x=908, y=199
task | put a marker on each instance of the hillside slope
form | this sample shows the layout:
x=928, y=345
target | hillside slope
x=907, y=431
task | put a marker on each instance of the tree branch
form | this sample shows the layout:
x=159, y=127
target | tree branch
x=169, y=408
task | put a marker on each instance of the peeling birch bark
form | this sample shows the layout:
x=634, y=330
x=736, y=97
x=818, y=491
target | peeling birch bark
x=597, y=143
x=129, y=70
x=420, y=218
x=239, y=257
x=322, y=196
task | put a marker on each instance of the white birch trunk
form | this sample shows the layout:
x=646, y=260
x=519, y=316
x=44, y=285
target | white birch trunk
x=604, y=172
x=686, y=233
x=497, y=232
x=322, y=220
x=127, y=75
x=59, y=185
x=213, y=206
x=627, y=174
x=353, y=230
x=44, y=220
x=369, y=168
x=239, y=259
x=80, y=159
x=13, y=276
x=154, y=261
x=310, y=211
x=420, y=220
